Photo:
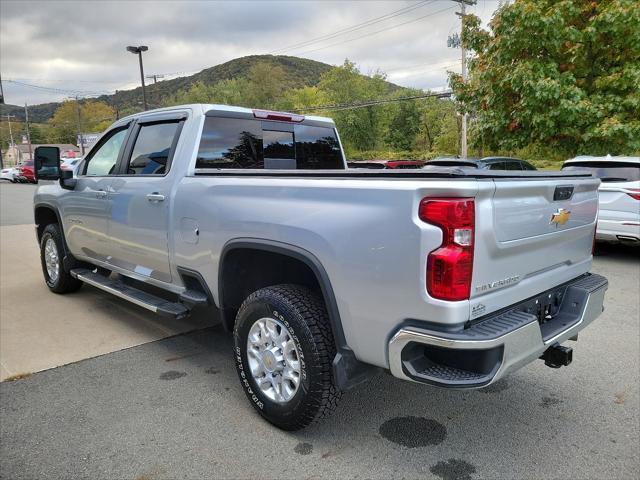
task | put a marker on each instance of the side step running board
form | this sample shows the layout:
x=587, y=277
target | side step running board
x=143, y=299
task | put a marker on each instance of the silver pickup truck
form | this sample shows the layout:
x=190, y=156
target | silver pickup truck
x=449, y=276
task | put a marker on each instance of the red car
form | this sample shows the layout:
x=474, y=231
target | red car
x=25, y=172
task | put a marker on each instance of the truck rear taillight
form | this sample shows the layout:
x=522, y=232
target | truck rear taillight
x=449, y=267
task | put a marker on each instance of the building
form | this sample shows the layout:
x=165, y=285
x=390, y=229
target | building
x=19, y=153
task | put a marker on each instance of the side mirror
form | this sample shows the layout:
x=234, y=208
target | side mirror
x=46, y=163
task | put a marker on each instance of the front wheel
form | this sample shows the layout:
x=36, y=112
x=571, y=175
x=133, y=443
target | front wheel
x=284, y=348
x=51, y=253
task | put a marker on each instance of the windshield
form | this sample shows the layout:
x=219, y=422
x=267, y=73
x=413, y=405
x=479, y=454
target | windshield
x=608, y=171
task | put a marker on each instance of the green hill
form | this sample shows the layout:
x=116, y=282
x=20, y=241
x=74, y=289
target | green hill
x=300, y=72
x=37, y=113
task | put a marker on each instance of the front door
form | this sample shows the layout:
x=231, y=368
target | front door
x=140, y=195
x=86, y=210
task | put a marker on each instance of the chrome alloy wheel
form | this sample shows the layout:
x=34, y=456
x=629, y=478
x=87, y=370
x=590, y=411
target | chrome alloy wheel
x=273, y=359
x=52, y=260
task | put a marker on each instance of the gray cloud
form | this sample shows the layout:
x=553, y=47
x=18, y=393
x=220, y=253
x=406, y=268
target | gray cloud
x=80, y=45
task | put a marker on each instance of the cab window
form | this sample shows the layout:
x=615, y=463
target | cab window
x=102, y=161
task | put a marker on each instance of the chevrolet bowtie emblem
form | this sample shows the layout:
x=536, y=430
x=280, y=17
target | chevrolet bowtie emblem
x=560, y=217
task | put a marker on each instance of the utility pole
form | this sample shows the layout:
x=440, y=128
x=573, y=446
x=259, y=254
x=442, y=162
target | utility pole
x=138, y=51
x=1, y=99
x=155, y=77
x=11, y=144
x=9, y=117
x=26, y=122
x=455, y=41
x=79, y=126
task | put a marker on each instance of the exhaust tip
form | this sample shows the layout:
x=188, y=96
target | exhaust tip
x=625, y=239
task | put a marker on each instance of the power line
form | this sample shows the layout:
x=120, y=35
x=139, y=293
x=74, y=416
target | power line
x=354, y=28
x=370, y=103
x=57, y=90
x=415, y=74
x=376, y=32
x=63, y=80
x=419, y=65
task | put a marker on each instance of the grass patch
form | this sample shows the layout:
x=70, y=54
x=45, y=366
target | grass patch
x=17, y=376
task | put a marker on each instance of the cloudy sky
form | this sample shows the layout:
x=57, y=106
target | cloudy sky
x=51, y=50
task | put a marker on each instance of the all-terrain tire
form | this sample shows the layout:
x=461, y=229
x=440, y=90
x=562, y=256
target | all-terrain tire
x=305, y=317
x=63, y=282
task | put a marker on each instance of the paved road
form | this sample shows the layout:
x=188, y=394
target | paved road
x=16, y=203
x=39, y=330
x=173, y=408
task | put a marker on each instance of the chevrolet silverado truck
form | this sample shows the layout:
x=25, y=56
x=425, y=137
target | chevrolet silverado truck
x=450, y=277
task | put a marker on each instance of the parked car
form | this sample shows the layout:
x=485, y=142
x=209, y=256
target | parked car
x=486, y=163
x=400, y=164
x=11, y=174
x=324, y=274
x=25, y=172
x=619, y=214
x=71, y=164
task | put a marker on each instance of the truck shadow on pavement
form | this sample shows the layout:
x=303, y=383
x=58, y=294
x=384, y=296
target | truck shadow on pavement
x=177, y=401
x=509, y=415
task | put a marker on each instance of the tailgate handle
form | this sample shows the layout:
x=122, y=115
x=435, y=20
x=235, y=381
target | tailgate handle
x=563, y=192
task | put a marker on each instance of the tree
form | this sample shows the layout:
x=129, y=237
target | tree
x=94, y=117
x=437, y=115
x=39, y=133
x=301, y=98
x=266, y=85
x=559, y=73
x=404, y=121
x=360, y=128
x=228, y=92
x=263, y=87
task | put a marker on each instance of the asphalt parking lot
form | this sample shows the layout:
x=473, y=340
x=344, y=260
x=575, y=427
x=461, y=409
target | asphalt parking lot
x=173, y=407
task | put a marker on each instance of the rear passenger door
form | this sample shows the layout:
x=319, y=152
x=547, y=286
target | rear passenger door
x=140, y=198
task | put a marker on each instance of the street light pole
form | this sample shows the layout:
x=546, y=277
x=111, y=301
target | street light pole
x=80, y=136
x=138, y=51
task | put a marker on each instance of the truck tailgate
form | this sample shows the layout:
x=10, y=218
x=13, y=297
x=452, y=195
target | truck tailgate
x=531, y=235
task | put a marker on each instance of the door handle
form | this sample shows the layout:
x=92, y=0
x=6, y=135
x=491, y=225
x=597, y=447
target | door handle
x=101, y=194
x=155, y=197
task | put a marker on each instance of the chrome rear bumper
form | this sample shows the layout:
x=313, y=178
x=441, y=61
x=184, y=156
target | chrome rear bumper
x=480, y=355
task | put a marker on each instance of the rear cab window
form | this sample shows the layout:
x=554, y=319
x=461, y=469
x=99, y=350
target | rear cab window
x=258, y=144
x=151, y=152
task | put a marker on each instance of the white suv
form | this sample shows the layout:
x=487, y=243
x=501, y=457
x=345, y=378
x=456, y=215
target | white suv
x=619, y=214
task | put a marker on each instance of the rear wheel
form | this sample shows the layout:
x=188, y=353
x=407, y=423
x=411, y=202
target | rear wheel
x=284, y=348
x=51, y=253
